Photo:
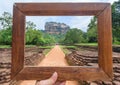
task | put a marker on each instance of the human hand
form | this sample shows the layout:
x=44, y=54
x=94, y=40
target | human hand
x=51, y=81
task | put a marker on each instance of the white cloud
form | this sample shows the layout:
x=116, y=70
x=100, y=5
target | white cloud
x=40, y=20
x=111, y=1
x=7, y=5
x=81, y=22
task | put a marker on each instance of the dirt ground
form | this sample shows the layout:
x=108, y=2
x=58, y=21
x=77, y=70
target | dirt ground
x=89, y=57
x=55, y=57
x=32, y=57
x=5, y=63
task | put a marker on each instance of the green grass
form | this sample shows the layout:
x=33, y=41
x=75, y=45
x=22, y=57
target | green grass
x=65, y=48
x=95, y=44
x=5, y=46
x=69, y=47
x=116, y=44
x=87, y=44
x=66, y=51
x=43, y=47
x=30, y=46
x=46, y=49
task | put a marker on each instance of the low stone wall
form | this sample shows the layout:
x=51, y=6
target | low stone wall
x=116, y=49
x=77, y=59
x=33, y=59
x=33, y=56
x=94, y=48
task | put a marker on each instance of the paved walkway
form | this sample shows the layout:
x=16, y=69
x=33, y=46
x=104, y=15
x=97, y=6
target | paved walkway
x=55, y=57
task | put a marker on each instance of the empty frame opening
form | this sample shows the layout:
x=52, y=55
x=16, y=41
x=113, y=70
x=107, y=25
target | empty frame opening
x=75, y=38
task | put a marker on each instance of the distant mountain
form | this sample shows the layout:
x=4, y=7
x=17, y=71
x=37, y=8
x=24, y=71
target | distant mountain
x=56, y=28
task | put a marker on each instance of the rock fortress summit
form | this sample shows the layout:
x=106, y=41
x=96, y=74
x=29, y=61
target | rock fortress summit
x=56, y=28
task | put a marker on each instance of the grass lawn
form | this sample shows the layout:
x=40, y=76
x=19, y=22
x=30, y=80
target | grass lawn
x=8, y=46
x=46, y=49
x=5, y=46
x=87, y=44
x=30, y=46
x=68, y=47
x=65, y=48
x=117, y=44
x=94, y=44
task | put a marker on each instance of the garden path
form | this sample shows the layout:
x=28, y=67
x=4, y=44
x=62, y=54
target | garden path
x=55, y=57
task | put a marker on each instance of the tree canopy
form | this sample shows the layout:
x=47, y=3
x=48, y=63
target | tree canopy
x=92, y=30
x=74, y=36
x=5, y=30
x=35, y=36
x=92, y=27
x=116, y=21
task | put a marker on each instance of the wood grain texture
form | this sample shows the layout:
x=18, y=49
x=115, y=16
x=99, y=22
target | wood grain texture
x=103, y=13
x=18, y=32
x=52, y=9
x=105, y=41
x=65, y=73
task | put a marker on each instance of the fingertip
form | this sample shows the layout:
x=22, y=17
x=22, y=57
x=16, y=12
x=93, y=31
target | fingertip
x=63, y=83
x=54, y=76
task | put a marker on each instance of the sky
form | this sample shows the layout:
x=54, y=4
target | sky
x=80, y=22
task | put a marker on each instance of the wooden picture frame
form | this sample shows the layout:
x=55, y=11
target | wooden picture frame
x=103, y=13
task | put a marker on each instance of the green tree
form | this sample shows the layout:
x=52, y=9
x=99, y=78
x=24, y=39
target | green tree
x=33, y=36
x=30, y=25
x=116, y=21
x=6, y=28
x=6, y=20
x=5, y=37
x=73, y=36
x=49, y=39
x=58, y=38
x=36, y=37
x=92, y=30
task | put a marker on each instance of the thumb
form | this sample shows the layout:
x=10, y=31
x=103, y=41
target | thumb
x=63, y=83
x=49, y=81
